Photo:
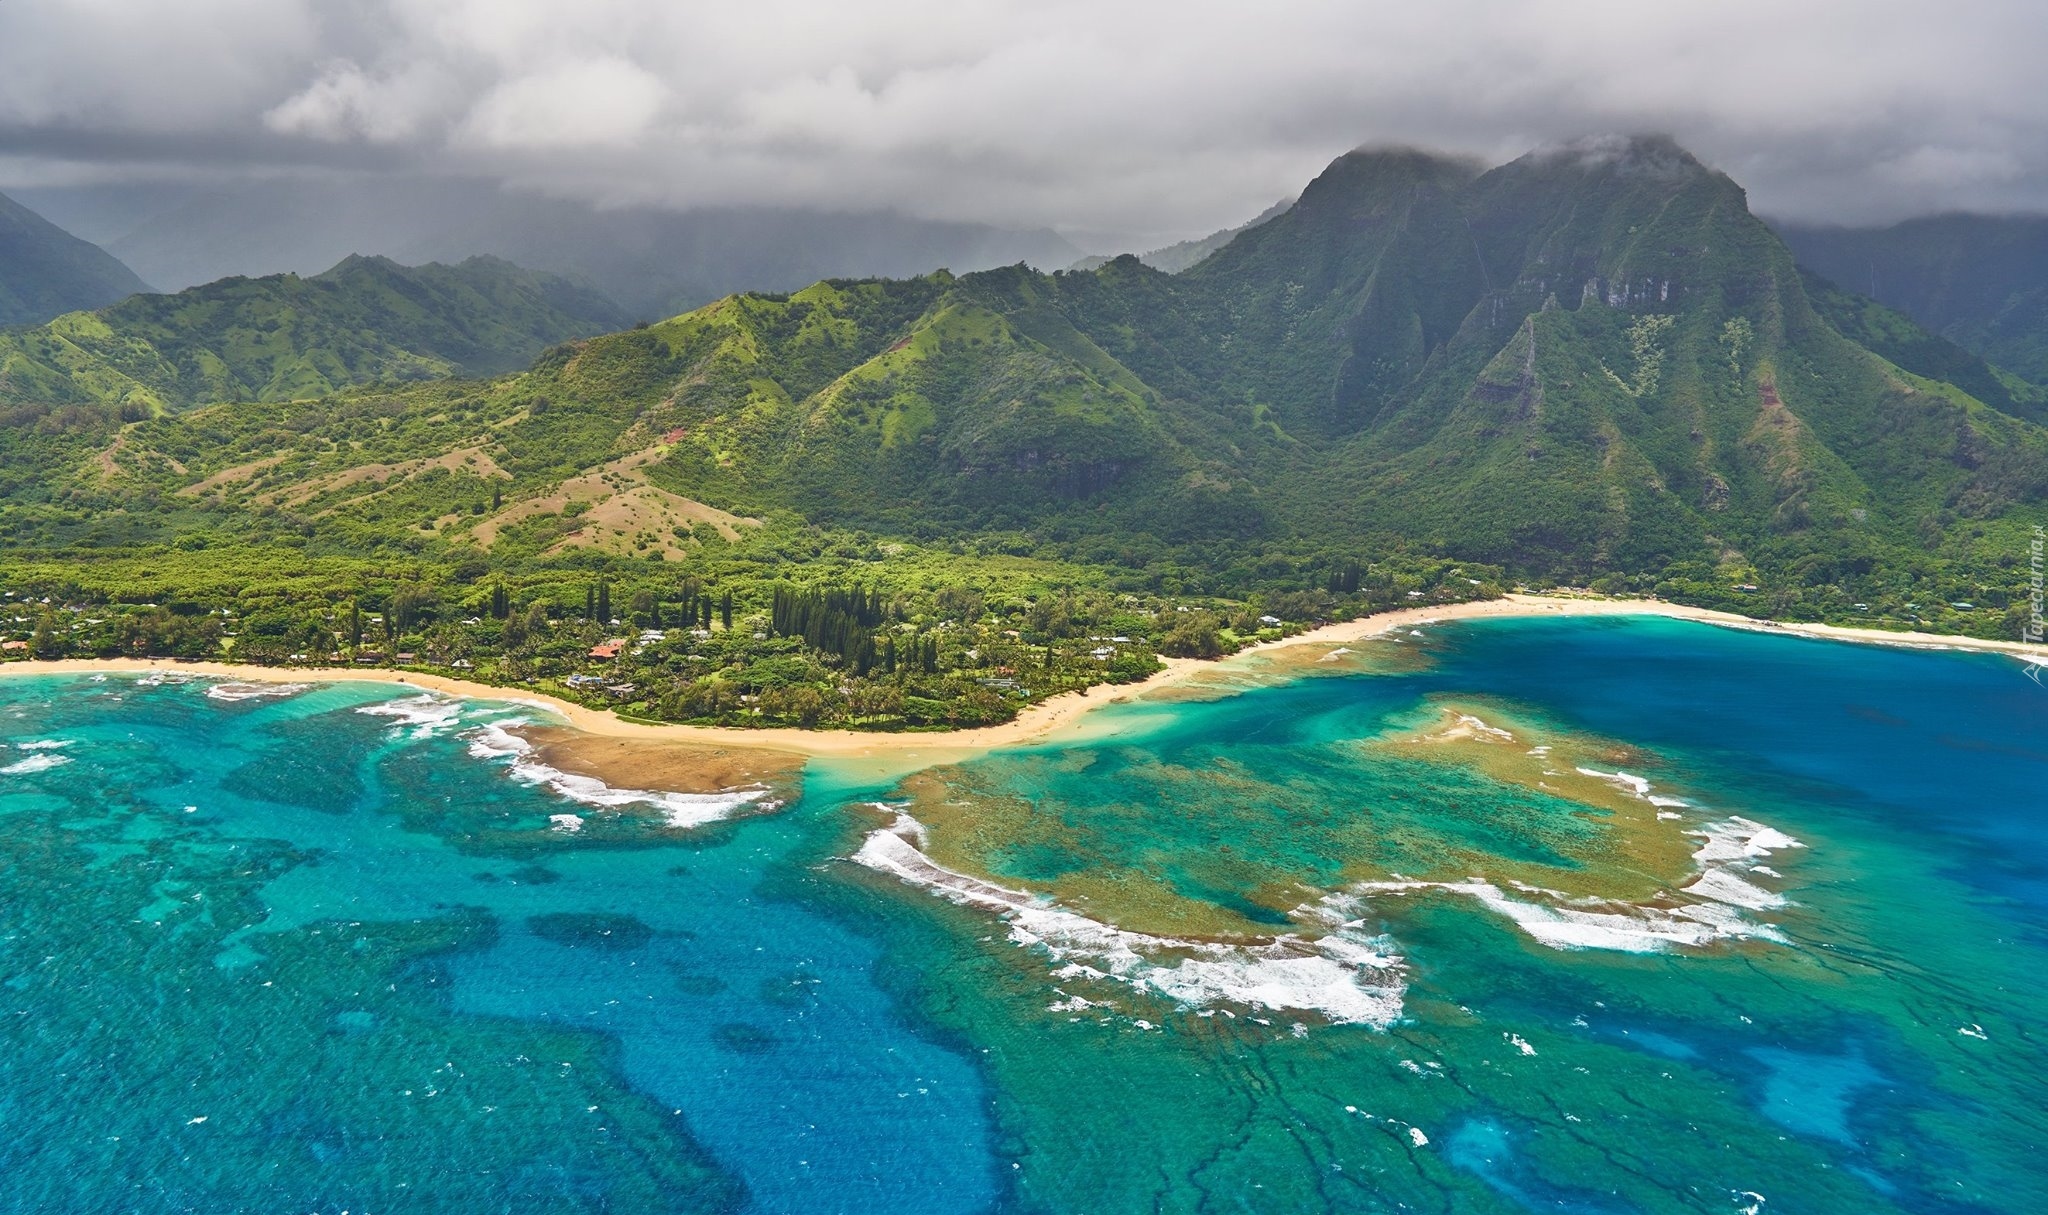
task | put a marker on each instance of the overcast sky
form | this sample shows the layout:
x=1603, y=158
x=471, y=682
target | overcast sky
x=1141, y=119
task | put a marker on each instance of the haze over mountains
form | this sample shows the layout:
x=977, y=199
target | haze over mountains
x=653, y=263
x=1979, y=280
x=46, y=271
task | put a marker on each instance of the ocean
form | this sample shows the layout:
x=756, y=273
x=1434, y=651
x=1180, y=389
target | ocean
x=1561, y=915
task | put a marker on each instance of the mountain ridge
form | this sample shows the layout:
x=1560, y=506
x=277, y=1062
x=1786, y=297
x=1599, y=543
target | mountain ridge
x=364, y=320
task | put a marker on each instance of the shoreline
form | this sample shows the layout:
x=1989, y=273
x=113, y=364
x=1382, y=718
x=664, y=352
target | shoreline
x=1037, y=722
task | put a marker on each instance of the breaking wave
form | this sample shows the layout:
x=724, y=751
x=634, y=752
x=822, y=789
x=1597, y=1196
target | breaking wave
x=1710, y=908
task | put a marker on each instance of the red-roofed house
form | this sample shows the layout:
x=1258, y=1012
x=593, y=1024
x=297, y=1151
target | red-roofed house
x=608, y=651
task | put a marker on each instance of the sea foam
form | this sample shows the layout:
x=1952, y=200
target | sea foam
x=1343, y=976
x=235, y=691
x=42, y=761
x=427, y=715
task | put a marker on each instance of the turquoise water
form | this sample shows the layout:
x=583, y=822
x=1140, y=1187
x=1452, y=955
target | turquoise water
x=1294, y=949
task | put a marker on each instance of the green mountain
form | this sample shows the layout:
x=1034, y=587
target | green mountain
x=45, y=271
x=1593, y=364
x=1980, y=281
x=367, y=320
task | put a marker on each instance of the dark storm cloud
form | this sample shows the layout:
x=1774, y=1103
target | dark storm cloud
x=1145, y=118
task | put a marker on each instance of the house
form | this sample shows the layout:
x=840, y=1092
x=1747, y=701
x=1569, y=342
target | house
x=13, y=647
x=584, y=681
x=608, y=651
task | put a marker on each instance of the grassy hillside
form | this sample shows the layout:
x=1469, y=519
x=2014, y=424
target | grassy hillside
x=933, y=499
x=367, y=320
x=45, y=271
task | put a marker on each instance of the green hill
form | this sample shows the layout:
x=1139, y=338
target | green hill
x=1421, y=382
x=367, y=320
x=45, y=271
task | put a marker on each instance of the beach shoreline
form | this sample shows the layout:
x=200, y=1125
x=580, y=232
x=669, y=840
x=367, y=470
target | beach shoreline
x=1038, y=722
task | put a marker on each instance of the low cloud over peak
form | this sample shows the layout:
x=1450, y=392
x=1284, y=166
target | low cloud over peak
x=1141, y=120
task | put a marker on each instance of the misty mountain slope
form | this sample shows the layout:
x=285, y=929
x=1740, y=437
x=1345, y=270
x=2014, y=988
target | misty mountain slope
x=46, y=272
x=1897, y=337
x=365, y=320
x=654, y=263
x=1979, y=280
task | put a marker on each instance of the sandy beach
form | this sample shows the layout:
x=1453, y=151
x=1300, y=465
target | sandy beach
x=907, y=752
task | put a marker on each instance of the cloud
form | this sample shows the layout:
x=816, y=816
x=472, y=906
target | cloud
x=346, y=103
x=1147, y=118
x=606, y=102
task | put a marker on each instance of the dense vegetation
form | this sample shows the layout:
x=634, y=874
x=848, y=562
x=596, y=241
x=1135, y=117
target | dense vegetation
x=923, y=502
x=46, y=272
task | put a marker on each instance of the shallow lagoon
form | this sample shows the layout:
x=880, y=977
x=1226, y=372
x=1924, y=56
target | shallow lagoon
x=276, y=954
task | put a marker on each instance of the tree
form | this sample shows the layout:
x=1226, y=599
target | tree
x=411, y=604
x=725, y=610
x=46, y=643
x=604, y=601
x=512, y=637
x=1193, y=637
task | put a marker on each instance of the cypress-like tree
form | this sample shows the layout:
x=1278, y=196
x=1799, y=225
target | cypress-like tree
x=604, y=601
x=725, y=611
x=355, y=623
x=46, y=643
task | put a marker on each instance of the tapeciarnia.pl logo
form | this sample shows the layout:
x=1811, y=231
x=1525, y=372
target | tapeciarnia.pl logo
x=2033, y=629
